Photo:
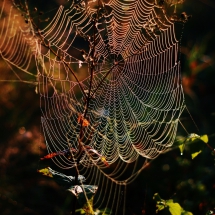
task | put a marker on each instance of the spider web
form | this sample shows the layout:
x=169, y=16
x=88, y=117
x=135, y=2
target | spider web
x=136, y=95
x=112, y=63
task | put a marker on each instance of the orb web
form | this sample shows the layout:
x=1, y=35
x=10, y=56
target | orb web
x=115, y=64
x=136, y=94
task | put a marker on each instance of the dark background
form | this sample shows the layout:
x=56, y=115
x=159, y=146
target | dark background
x=189, y=182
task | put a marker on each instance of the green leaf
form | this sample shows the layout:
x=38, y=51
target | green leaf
x=81, y=211
x=197, y=146
x=160, y=207
x=161, y=204
x=186, y=213
x=181, y=147
x=204, y=138
x=174, y=208
x=193, y=155
x=192, y=137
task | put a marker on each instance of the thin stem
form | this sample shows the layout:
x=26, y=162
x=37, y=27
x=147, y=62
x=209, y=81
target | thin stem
x=210, y=147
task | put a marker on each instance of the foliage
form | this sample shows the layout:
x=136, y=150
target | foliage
x=170, y=206
x=96, y=211
x=209, y=212
x=197, y=146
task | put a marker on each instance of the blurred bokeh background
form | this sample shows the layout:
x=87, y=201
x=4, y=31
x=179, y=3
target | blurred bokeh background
x=189, y=182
